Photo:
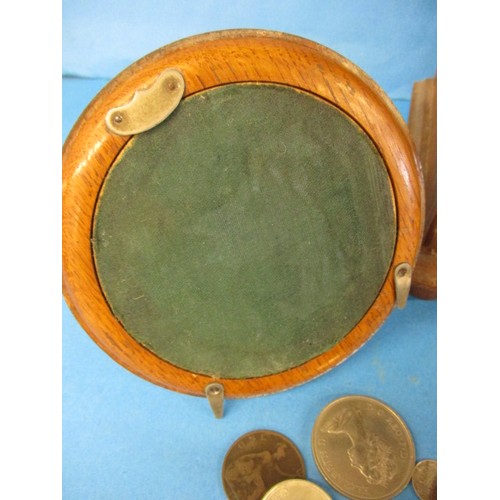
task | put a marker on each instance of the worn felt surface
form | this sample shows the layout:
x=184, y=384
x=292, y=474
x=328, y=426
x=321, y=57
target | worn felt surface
x=247, y=233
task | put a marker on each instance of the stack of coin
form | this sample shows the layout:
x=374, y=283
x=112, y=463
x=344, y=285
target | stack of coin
x=257, y=461
x=363, y=448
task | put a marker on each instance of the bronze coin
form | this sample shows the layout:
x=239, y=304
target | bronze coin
x=424, y=479
x=257, y=461
x=363, y=448
x=296, y=489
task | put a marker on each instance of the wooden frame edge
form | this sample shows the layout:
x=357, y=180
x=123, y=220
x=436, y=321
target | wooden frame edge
x=207, y=61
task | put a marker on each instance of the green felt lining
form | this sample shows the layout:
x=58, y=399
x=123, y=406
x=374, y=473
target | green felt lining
x=247, y=233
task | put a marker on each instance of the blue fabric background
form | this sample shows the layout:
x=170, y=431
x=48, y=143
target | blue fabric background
x=393, y=41
x=124, y=438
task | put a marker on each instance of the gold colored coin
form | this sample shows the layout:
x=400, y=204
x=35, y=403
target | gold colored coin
x=257, y=461
x=296, y=489
x=363, y=448
x=424, y=479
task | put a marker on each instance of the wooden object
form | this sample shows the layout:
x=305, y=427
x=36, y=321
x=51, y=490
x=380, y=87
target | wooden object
x=205, y=62
x=422, y=123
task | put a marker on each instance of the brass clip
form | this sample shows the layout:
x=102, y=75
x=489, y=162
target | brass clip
x=148, y=107
x=215, y=396
x=402, y=282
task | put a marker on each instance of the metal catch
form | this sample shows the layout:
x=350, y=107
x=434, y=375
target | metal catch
x=148, y=107
x=402, y=282
x=215, y=396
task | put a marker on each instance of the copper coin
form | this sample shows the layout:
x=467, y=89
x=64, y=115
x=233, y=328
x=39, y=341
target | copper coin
x=424, y=479
x=296, y=489
x=363, y=448
x=257, y=461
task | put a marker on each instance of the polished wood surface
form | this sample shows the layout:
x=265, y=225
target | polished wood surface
x=422, y=123
x=208, y=61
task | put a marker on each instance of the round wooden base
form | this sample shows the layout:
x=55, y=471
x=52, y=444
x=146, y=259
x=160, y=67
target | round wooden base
x=205, y=62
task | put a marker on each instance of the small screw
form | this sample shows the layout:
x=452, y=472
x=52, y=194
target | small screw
x=402, y=272
x=172, y=85
x=214, y=390
x=117, y=118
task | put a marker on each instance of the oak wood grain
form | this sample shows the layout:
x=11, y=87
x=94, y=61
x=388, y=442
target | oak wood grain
x=422, y=123
x=208, y=61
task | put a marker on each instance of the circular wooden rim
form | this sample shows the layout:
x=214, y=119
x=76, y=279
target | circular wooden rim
x=208, y=61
